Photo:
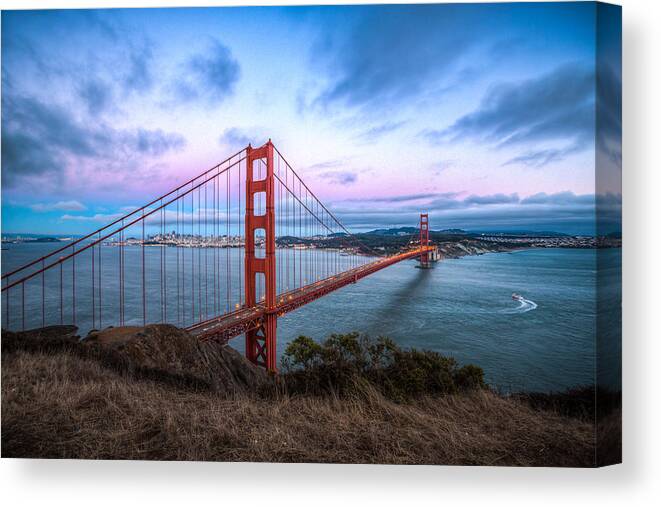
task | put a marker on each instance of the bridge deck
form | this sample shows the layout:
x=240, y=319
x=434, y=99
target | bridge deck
x=235, y=323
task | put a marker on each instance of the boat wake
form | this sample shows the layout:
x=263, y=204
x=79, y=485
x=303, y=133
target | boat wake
x=525, y=305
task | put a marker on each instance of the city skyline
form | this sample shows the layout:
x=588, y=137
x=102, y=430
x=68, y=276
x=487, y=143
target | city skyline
x=495, y=133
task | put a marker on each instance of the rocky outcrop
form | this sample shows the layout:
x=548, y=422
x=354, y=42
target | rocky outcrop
x=158, y=352
x=166, y=348
x=454, y=250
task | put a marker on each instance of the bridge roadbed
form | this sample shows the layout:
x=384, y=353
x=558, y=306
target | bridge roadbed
x=229, y=325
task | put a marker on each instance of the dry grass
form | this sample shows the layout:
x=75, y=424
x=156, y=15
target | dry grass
x=59, y=405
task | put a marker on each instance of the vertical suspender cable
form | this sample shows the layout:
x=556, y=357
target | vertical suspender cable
x=199, y=253
x=100, y=287
x=165, y=269
x=43, y=292
x=206, y=251
x=93, y=296
x=228, y=279
x=23, y=306
x=192, y=251
x=144, y=290
x=61, y=295
x=73, y=286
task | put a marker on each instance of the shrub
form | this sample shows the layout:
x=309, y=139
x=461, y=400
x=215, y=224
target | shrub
x=302, y=352
x=345, y=361
x=469, y=377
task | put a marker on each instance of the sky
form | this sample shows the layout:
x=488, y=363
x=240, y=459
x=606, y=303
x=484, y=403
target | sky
x=482, y=115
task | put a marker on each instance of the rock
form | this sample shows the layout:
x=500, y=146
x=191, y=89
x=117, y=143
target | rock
x=159, y=352
x=168, y=349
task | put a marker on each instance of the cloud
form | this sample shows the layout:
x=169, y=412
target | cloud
x=36, y=138
x=389, y=54
x=442, y=165
x=327, y=164
x=96, y=95
x=154, y=142
x=452, y=200
x=379, y=131
x=541, y=158
x=446, y=201
x=139, y=77
x=339, y=177
x=401, y=198
x=99, y=217
x=104, y=21
x=491, y=199
x=211, y=76
x=58, y=206
x=609, y=199
x=561, y=211
x=237, y=138
x=609, y=114
x=44, y=141
x=559, y=198
x=121, y=60
x=554, y=107
x=24, y=155
x=52, y=125
x=169, y=217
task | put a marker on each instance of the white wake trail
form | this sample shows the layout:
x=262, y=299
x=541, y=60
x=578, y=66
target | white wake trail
x=530, y=305
x=525, y=305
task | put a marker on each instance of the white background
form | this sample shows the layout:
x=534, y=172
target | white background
x=636, y=482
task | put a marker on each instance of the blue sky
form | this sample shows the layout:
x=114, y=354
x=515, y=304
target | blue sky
x=483, y=115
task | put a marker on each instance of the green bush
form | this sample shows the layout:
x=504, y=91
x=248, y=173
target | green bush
x=344, y=361
x=469, y=377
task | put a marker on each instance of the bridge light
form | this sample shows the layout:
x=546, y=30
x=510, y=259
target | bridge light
x=237, y=306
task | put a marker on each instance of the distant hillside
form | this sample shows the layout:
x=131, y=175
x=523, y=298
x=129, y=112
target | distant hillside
x=36, y=237
x=29, y=239
x=402, y=231
x=519, y=234
x=396, y=231
x=14, y=235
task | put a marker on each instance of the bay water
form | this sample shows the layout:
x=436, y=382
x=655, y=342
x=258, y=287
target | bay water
x=545, y=341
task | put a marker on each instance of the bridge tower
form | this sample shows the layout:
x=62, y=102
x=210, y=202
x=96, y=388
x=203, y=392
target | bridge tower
x=424, y=240
x=261, y=342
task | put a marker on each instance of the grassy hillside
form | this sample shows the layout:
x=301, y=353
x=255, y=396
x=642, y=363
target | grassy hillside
x=109, y=399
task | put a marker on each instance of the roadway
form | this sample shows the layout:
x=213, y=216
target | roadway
x=229, y=325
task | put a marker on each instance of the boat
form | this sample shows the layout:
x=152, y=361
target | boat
x=517, y=297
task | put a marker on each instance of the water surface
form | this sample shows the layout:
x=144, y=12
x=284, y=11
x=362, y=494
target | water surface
x=462, y=308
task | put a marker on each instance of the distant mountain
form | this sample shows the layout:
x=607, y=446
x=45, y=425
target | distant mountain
x=47, y=239
x=29, y=239
x=398, y=231
x=14, y=235
x=34, y=236
x=451, y=231
x=536, y=234
x=403, y=231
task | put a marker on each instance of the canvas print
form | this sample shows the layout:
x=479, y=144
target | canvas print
x=385, y=234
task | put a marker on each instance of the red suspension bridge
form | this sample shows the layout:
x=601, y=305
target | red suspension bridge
x=238, y=246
